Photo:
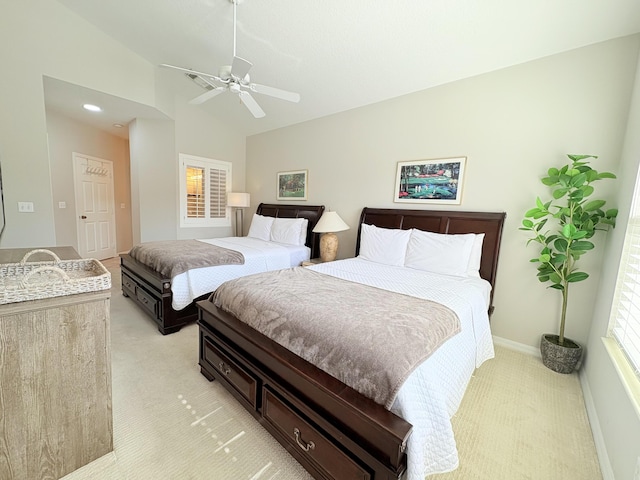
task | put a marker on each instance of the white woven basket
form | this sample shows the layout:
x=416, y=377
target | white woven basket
x=24, y=281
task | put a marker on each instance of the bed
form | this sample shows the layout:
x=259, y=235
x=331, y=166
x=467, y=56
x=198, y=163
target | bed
x=331, y=427
x=170, y=301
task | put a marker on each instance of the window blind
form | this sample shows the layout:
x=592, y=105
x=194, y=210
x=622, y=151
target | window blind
x=624, y=325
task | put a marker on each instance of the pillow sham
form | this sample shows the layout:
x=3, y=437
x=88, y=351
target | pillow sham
x=260, y=227
x=383, y=245
x=292, y=231
x=448, y=254
x=473, y=269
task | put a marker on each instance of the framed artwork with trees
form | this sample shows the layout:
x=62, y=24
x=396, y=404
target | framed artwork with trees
x=293, y=185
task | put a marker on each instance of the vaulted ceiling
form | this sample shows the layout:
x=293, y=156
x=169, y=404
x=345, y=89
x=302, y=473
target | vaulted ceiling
x=340, y=55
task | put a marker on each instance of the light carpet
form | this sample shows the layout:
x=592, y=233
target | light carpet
x=518, y=420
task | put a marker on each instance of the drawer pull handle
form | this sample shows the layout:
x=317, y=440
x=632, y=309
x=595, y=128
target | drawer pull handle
x=224, y=368
x=305, y=447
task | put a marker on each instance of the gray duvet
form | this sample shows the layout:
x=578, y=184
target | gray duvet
x=368, y=338
x=173, y=257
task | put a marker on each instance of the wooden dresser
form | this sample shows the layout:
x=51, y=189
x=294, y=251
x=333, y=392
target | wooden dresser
x=55, y=382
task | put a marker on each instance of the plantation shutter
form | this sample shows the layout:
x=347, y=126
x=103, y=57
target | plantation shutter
x=218, y=193
x=204, y=184
x=624, y=326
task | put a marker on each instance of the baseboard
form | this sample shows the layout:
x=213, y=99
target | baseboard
x=594, y=423
x=518, y=347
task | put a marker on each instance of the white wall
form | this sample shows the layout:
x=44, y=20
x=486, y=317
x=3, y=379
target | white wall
x=67, y=136
x=201, y=135
x=40, y=37
x=153, y=172
x=511, y=125
x=616, y=417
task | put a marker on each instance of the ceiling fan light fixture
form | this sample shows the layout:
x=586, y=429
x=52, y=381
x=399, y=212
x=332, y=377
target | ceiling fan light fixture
x=199, y=81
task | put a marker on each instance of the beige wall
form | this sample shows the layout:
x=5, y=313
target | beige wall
x=66, y=137
x=511, y=125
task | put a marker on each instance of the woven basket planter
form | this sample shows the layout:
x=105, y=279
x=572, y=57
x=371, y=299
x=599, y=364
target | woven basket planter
x=25, y=281
x=560, y=358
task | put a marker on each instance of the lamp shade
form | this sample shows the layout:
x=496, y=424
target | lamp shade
x=236, y=199
x=330, y=222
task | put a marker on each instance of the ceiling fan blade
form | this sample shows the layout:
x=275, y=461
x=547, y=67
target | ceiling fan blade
x=194, y=72
x=251, y=104
x=240, y=67
x=207, y=95
x=274, y=92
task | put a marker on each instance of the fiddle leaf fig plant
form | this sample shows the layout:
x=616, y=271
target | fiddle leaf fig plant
x=563, y=226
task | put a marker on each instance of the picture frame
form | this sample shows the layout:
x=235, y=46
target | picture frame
x=293, y=185
x=437, y=181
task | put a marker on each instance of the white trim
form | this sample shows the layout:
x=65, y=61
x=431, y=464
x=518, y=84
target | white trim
x=625, y=372
x=596, y=431
x=519, y=347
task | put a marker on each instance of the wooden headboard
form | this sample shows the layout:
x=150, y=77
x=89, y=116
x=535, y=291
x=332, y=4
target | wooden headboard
x=310, y=212
x=440, y=221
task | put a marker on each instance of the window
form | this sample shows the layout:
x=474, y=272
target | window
x=624, y=324
x=204, y=184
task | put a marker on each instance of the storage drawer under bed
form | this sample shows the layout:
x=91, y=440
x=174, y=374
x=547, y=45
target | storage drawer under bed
x=311, y=443
x=238, y=377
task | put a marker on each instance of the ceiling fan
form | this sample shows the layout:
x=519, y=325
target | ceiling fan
x=235, y=78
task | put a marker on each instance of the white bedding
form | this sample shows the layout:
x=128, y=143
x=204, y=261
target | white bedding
x=259, y=256
x=433, y=392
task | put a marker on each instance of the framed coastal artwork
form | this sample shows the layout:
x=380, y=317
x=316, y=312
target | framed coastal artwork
x=293, y=185
x=430, y=181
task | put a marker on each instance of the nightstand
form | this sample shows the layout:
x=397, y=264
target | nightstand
x=313, y=261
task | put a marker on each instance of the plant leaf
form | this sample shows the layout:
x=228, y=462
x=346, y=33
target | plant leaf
x=593, y=205
x=577, y=277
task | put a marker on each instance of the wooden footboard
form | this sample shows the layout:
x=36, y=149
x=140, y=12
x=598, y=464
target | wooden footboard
x=332, y=430
x=152, y=292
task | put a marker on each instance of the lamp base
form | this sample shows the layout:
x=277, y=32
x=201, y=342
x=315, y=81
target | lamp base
x=328, y=247
x=240, y=223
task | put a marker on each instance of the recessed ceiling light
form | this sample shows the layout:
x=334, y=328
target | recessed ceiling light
x=118, y=125
x=91, y=108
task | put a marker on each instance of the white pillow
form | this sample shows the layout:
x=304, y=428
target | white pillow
x=383, y=245
x=473, y=270
x=260, y=227
x=439, y=253
x=292, y=231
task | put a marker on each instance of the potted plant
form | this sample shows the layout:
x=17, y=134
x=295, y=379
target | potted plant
x=562, y=229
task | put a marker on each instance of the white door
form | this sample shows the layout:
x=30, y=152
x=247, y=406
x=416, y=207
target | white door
x=95, y=207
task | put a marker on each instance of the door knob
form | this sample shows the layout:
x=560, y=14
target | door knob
x=83, y=217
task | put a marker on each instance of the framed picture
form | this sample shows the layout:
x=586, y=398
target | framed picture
x=293, y=185
x=430, y=181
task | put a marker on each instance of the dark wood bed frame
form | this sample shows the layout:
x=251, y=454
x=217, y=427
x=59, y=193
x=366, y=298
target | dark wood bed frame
x=152, y=291
x=332, y=430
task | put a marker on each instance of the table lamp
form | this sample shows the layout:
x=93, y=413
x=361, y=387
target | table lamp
x=239, y=201
x=329, y=223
